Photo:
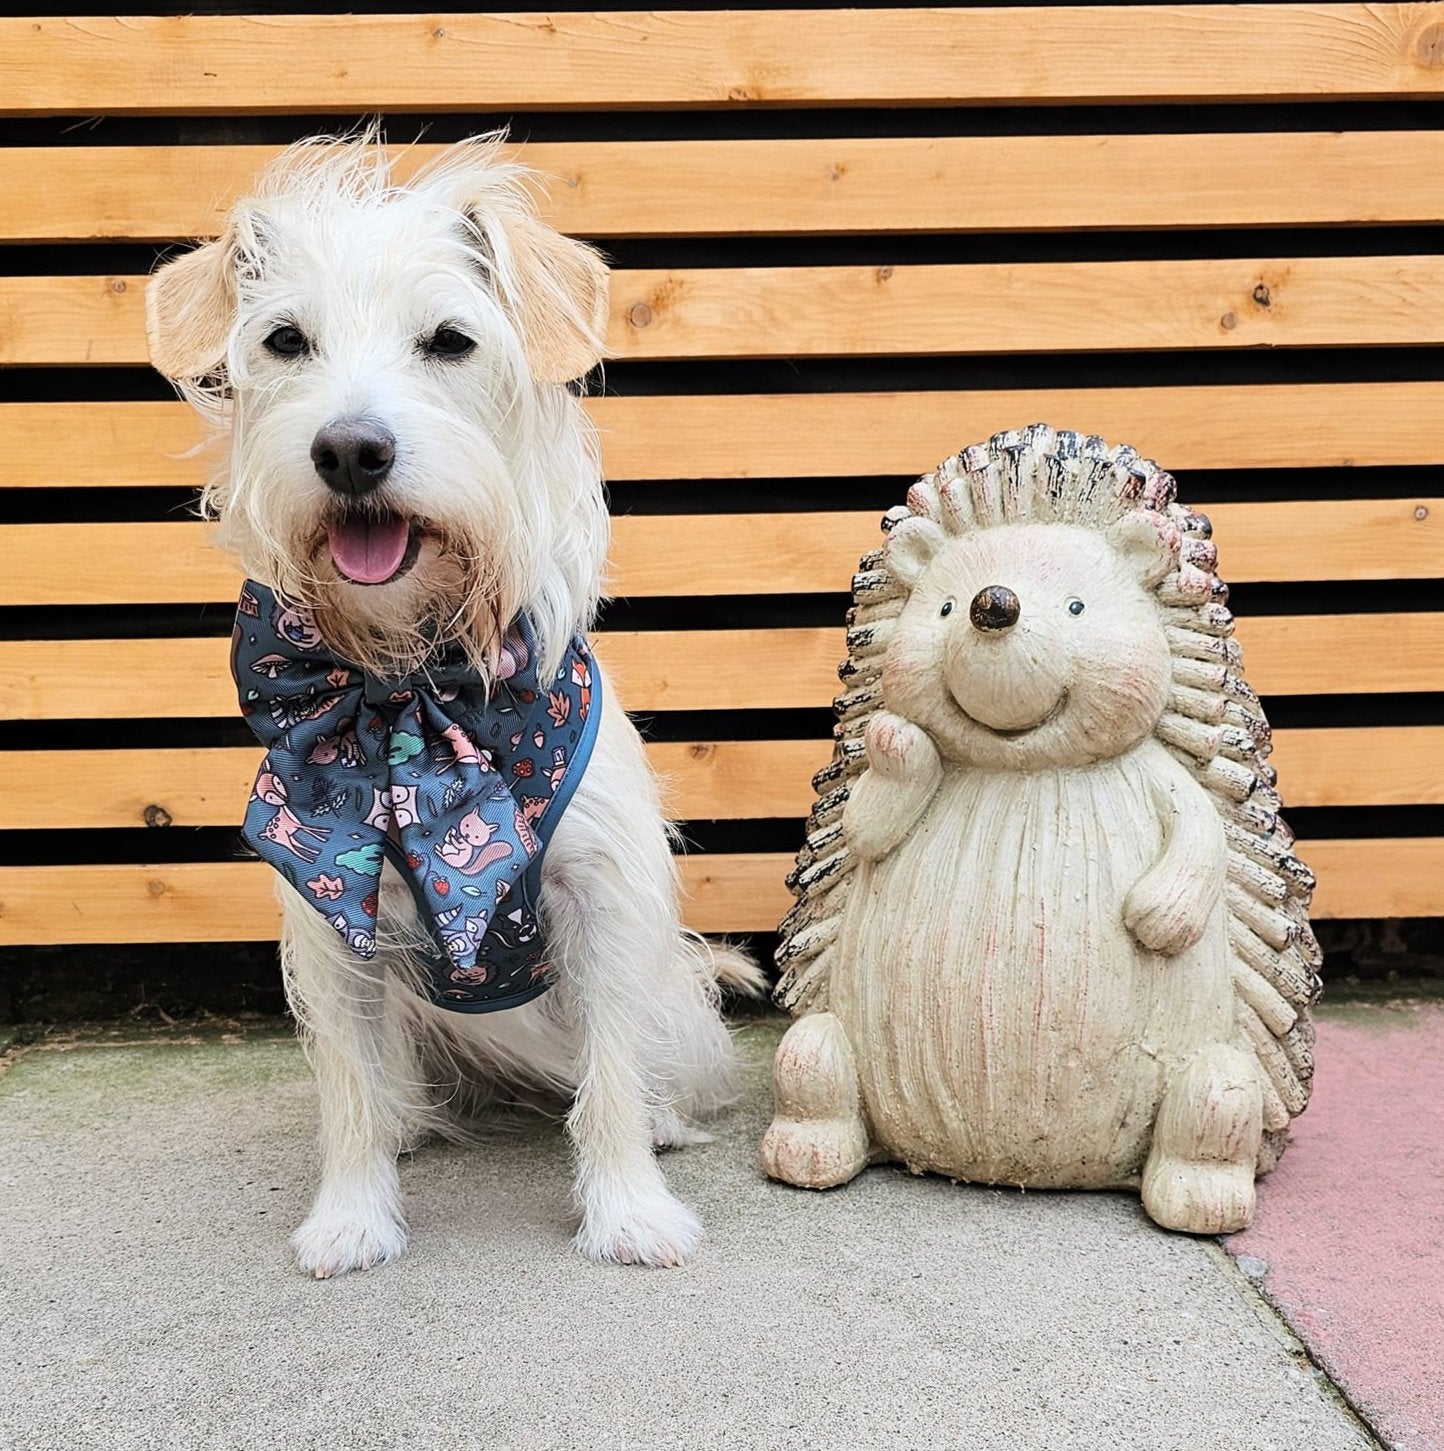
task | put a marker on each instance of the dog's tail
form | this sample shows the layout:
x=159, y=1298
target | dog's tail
x=733, y=967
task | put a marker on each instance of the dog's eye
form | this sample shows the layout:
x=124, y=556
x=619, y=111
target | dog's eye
x=447, y=342
x=1075, y=606
x=288, y=342
x=947, y=609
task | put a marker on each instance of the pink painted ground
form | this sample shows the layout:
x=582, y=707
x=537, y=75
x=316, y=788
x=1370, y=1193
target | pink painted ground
x=1351, y=1223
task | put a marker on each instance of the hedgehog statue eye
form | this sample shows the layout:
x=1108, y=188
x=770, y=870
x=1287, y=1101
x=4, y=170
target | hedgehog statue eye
x=1075, y=606
x=947, y=608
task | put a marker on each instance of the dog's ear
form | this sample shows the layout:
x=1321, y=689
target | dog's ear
x=561, y=288
x=189, y=305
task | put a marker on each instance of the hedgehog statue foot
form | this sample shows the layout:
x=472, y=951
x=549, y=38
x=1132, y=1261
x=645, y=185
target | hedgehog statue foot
x=818, y=1139
x=1200, y=1172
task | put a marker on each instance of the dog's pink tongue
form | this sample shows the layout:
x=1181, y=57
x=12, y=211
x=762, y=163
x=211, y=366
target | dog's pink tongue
x=369, y=550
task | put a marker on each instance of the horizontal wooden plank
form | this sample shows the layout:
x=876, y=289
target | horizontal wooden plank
x=198, y=786
x=758, y=187
x=869, y=184
x=717, y=554
x=1053, y=307
x=477, y=62
x=702, y=780
x=982, y=308
x=820, y=435
x=659, y=670
x=1337, y=539
x=235, y=901
x=1364, y=766
x=1399, y=877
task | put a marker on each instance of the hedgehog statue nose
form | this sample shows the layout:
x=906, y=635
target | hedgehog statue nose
x=994, y=608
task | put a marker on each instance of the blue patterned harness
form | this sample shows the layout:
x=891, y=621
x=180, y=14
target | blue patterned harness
x=458, y=785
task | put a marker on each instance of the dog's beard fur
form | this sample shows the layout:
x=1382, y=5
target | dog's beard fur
x=494, y=538
x=496, y=470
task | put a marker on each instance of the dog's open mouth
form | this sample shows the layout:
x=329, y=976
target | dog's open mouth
x=372, y=548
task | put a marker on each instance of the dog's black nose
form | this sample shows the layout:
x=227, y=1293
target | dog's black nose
x=994, y=608
x=353, y=455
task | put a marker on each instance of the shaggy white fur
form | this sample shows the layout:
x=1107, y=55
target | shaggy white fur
x=444, y=312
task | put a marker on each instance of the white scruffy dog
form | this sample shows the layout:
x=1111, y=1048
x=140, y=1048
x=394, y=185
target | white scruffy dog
x=413, y=344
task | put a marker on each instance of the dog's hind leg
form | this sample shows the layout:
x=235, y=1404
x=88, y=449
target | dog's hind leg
x=366, y=1079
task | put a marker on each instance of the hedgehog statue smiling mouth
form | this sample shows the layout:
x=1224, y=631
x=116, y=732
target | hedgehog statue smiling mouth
x=1050, y=930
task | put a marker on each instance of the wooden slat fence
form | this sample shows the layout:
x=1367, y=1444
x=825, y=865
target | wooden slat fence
x=812, y=304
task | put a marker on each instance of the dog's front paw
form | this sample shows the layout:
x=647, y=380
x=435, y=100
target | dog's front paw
x=657, y=1230
x=333, y=1241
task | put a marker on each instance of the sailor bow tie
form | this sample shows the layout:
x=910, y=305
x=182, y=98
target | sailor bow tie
x=455, y=780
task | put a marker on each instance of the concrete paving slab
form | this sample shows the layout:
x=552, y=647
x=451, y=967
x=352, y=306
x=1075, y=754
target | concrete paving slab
x=146, y=1191
x=1349, y=1237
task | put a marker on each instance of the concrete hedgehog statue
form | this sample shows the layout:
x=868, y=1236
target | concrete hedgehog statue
x=1049, y=930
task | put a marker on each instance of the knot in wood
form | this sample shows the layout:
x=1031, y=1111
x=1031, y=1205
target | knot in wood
x=156, y=816
x=639, y=315
x=1421, y=512
x=1429, y=48
x=1262, y=295
x=1228, y=322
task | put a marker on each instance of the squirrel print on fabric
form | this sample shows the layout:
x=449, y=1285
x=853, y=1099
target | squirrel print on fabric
x=468, y=848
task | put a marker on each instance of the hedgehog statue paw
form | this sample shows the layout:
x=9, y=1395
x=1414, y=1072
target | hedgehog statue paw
x=818, y=1139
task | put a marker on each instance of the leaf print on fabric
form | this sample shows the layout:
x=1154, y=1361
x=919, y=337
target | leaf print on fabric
x=327, y=889
x=327, y=797
x=560, y=709
x=457, y=792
